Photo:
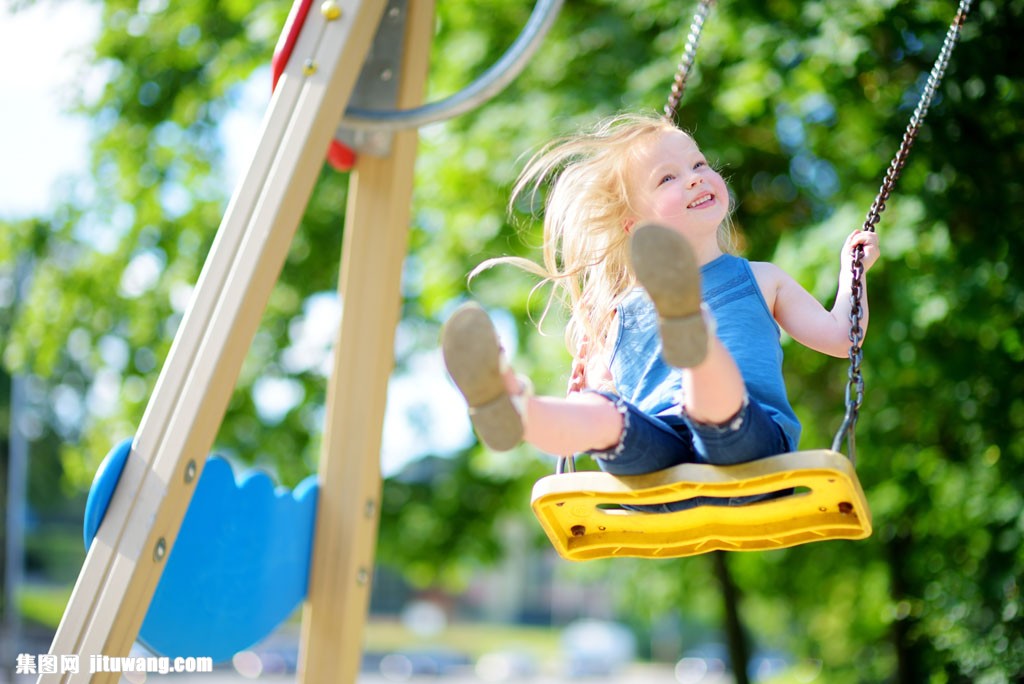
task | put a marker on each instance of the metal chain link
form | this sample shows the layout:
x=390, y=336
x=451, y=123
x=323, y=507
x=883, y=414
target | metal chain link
x=855, y=380
x=686, y=61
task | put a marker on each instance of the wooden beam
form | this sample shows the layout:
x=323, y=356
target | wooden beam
x=123, y=566
x=374, y=249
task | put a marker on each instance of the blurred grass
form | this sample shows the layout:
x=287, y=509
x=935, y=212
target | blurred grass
x=44, y=605
x=473, y=639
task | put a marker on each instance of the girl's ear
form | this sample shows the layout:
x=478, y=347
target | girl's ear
x=627, y=225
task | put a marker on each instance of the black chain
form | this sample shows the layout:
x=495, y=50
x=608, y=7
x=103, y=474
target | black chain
x=686, y=61
x=855, y=380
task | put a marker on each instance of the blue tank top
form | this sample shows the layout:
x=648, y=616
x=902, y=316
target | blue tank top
x=745, y=326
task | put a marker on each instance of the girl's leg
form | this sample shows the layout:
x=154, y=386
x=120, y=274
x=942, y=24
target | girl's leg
x=579, y=423
x=665, y=264
x=713, y=391
x=503, y=411
x=726, y=427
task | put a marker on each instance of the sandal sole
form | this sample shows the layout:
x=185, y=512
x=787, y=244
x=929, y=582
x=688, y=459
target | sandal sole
x=472, y=354
x=666, y=266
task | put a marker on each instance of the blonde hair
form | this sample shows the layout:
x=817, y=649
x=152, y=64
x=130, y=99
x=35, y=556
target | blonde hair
x=586, y=246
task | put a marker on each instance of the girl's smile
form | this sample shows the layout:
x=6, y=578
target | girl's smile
x=704, y=201
x=676, y=187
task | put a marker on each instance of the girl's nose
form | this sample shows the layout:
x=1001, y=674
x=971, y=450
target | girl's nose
x=695, y=180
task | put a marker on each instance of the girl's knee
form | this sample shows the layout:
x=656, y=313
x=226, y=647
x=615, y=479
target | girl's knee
x=732, y=422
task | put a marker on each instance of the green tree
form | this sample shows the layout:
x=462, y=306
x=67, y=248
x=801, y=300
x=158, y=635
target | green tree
x=802, y=104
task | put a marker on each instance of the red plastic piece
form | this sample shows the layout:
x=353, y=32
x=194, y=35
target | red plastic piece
x=339, y=156
x=289, y=36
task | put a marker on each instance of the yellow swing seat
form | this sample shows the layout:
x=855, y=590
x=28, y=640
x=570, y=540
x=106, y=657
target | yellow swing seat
x=581, y=514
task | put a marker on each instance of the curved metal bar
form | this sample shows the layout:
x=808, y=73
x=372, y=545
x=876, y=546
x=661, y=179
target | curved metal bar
x=489, y=84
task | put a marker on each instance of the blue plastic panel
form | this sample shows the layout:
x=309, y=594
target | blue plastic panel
x=240, y=564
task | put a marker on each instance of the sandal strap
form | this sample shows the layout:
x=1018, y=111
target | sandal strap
x=518, y=399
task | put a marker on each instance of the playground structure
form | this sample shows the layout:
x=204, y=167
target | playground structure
x=146, y=496
x=325, y=48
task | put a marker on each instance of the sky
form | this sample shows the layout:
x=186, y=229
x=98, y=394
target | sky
x=40, y=144
x=37, y=143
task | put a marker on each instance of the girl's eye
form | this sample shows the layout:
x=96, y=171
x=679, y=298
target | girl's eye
x=666, y=178
x=700, y=164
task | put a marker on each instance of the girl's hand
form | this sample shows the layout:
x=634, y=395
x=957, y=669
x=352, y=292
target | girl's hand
x=589, y=371
x=869, y=241
x=578, y=379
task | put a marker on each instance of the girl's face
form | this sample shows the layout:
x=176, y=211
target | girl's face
x=672, y=184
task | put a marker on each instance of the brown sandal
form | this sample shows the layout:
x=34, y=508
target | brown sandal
x=474, y=358
x=666, y=266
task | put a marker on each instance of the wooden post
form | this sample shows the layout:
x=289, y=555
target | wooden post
x=123, y=565
x=374, y=249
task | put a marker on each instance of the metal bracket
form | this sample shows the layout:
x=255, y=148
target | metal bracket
x=377, y=87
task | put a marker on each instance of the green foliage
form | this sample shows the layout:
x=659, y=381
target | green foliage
x=43, y=605
x=450, y=506
x=802, y=104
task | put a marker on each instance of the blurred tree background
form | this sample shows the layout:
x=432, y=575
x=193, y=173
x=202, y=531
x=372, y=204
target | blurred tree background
x=801, y=104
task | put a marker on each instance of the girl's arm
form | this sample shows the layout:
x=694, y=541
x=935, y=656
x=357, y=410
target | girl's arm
x=803, y=316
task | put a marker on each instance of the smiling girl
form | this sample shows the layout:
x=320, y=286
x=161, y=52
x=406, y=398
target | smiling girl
x=676, y=341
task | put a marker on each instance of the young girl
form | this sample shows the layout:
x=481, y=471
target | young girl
x=676, y=340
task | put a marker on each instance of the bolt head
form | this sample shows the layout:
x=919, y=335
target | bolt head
x=331, y=10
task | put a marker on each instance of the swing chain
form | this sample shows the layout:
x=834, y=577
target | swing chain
x=686, y=61
x=855, y=381
x=917, y=118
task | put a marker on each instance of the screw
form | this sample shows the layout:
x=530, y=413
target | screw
x=387, y=74
x=362, y=577
x=371, y=508
x=160, y=550
x=190, y=471
x=331, y=10
x=578, y=530
x=309, y=67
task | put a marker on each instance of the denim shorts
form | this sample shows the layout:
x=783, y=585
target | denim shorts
x=649, y=443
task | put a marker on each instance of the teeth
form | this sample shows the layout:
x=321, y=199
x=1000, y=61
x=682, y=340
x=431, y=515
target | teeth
x=704, y=199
